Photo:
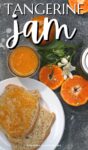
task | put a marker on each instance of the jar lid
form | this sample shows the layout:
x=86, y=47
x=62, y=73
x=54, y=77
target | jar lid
x=84, y=60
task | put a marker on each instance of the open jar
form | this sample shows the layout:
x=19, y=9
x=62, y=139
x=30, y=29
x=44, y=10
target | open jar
x=23, y=61
x=84, y=63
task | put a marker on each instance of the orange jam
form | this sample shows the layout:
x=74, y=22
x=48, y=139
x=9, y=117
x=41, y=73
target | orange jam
x=23, y=61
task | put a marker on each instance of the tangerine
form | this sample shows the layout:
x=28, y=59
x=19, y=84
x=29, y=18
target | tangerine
x=83, y=7
x=40, y=20
x=52, y=76
x=75, y=91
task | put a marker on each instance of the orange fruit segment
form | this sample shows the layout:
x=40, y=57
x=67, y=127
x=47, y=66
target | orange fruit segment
x=75, y=91
x=52, y=76
x=84, y=6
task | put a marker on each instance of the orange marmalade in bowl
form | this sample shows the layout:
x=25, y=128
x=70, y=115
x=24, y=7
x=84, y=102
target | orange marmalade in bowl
x=23, y=61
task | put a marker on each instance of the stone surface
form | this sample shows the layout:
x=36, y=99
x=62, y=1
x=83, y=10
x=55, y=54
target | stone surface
x=76, y=130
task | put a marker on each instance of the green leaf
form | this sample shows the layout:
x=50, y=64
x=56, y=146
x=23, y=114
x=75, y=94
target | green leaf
x=53, y=52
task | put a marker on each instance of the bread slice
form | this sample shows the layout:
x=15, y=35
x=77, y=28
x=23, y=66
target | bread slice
x=39, y=134
x=19, y=109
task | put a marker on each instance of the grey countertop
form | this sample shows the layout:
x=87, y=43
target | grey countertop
x=76, y=130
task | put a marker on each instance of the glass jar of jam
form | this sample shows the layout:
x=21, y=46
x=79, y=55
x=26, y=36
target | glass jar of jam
x=84, y=63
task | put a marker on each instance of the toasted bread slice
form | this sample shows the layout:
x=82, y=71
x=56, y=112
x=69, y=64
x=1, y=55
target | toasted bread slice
x=19, y=110
x=40, y=132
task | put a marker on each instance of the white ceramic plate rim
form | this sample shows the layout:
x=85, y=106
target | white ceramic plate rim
x=54, y=105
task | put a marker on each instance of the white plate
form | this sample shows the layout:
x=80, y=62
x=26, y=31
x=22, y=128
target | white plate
x=50, y=100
